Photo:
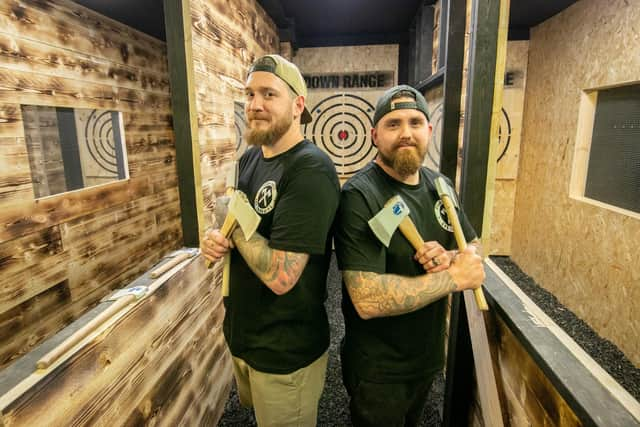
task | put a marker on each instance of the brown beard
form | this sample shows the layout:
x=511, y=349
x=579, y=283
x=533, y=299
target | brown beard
x=271, y=135
x=404, y=162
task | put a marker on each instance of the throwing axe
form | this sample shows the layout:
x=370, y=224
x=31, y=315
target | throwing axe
x=395, y=214
x=450, y=203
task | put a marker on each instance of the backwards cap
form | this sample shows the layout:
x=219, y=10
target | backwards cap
x=287, y=72
x=387, y=104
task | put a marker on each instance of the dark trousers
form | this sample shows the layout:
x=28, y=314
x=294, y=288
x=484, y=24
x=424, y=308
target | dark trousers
x=385, y=404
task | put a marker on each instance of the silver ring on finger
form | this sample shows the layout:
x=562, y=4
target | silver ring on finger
x=435, y=261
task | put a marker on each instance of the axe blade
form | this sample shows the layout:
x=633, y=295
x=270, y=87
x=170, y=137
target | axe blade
x=243, y=212
x=385, y=222
x=445, y=190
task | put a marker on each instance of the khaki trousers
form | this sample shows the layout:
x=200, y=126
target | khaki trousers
x=288, y=400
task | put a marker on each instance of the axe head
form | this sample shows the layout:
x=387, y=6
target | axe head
x=243, y=212
x=444, y=190
x=385, y=222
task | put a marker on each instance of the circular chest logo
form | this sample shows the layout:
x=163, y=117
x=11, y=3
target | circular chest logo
x=441, y=215
x=266, y=198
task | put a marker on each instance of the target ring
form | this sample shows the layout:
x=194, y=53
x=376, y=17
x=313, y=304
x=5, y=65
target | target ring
x=98, y=135
x=432, y=159
x=504, y=133
x=240, y=124
x=341, y=126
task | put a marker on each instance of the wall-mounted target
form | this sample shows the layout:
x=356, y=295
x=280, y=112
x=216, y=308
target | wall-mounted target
x=240, y=123
x=504, y=134
x=432, y=159
x=98, y=137
x=341, y=126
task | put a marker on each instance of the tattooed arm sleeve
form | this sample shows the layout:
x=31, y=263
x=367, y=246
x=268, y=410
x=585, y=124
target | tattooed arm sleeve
x=279, y=270
x=380, y=295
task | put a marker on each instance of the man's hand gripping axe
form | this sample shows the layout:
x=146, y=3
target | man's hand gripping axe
x=239, y=213
x=450, y=203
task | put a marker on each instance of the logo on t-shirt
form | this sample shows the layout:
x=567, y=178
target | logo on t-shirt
x=266, y=197
x=441, y=216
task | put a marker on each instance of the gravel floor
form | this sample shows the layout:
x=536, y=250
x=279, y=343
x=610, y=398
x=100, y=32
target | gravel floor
x=334, y=410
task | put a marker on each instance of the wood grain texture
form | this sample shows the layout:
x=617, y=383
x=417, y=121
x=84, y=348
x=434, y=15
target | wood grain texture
x=57, y=53
x=164, y=362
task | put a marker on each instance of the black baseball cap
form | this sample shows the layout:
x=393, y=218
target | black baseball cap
x=387, y=104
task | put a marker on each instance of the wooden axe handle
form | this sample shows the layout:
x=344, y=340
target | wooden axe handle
x=49, y=358
x=227, y=228
x=168, y=265
x=462, y=245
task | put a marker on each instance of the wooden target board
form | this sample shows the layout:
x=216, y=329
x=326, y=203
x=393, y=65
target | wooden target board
x=341, y=126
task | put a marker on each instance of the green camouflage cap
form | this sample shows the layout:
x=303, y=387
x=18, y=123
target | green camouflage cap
x=387, y=104
x=288, y=72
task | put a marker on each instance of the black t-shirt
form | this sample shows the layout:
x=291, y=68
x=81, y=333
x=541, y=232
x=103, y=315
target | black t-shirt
x=296, y=194
x=408, y=346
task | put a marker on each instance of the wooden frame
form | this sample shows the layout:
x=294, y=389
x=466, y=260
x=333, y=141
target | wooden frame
x=185, y=121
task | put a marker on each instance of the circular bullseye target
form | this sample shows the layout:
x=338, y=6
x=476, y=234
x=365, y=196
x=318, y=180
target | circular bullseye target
x=98, y=133
x=504, y=134
x=240, y=123
x=341, y=126
x=432, y=159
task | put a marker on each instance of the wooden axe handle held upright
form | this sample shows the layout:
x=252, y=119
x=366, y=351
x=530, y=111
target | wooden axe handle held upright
x=462, y=245
x=409, y=230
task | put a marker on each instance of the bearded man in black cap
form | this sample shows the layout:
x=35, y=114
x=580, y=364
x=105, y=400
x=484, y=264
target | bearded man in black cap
x=275, y=323
x=395, y=298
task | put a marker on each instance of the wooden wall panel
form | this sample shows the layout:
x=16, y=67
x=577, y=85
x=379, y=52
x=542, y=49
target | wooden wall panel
x=163, y=362
x=345, y=109
x=227, y=37
x=584, y=254
x=530, y=397
x=57, y=53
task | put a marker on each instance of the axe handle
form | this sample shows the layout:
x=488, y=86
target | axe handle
x=227, y=228
x=410, y=232
x=49, y=358
x=168, y=265
x=462, y=245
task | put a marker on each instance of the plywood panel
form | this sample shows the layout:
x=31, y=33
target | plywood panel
x=531, y=398
x=585, y=255
x=343, y=117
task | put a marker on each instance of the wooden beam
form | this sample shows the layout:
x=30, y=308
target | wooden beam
x=454, y=58
x=483, y=79
x=185, y=121
x=424, y=42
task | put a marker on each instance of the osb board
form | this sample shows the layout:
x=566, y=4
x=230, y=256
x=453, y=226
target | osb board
x=57, y=53
x=227, y=37
x=164, y=362
x=508, y=150
x=502, y=221
x=585, y=255
x=343, y=117
x=530, y=398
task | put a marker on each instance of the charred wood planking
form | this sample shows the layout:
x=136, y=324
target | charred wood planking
x=28, y=55
x=148, y=369
x=38, y=89
x=67, y=25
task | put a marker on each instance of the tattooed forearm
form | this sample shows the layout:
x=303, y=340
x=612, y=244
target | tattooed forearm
x=279, y=270
x=377, y=295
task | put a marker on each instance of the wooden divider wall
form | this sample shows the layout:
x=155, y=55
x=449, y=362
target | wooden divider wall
x=227, y=37
x=61, y=254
